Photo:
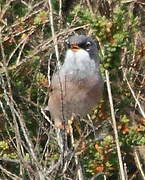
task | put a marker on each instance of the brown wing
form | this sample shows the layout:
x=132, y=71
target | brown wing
x=74, y=96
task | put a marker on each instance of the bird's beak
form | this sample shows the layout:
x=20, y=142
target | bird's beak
x=74, y=47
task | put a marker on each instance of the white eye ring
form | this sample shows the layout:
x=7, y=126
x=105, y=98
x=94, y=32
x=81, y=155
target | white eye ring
x=88, y=43
x=67, y=42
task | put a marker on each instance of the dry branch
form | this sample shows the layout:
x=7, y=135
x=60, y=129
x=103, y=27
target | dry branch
x=122, y=173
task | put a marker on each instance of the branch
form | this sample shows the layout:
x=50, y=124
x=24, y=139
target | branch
x=79, y=168
x=53, y=32
x=139, y=164
x=9, y=174
x=133, y=94
x=122, y=173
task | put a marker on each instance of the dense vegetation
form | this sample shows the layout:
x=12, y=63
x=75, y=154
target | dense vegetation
x=32, y=45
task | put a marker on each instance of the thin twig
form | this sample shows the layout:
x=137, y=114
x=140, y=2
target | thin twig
x=53, y=32
x=133, y=94
x=90, y=7
x=9, y=174
x=122, y=174
x=79, y=168
x=10, y=160
x=46, y=117
x=139, y=164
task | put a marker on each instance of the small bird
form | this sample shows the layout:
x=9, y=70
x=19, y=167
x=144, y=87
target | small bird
x=77, y=86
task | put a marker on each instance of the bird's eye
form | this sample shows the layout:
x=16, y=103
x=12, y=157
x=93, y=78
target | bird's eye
x=88, y=44
x=68, y=43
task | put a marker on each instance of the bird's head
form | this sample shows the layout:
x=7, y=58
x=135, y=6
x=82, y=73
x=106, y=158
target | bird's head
x=77, y=42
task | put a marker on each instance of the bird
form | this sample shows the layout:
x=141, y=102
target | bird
x=77, y=86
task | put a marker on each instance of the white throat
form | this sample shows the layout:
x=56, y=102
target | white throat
x=78, y=63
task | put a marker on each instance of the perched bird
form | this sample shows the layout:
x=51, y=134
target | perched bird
x=77, y=86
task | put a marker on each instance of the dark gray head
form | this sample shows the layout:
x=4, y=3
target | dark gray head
x=81, y=41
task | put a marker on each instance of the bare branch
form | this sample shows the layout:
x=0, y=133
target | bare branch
x=139, y=164
x=122, y=174
x=53, y=32
x=133, y=94
x=9, y=174
x=79, y=168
